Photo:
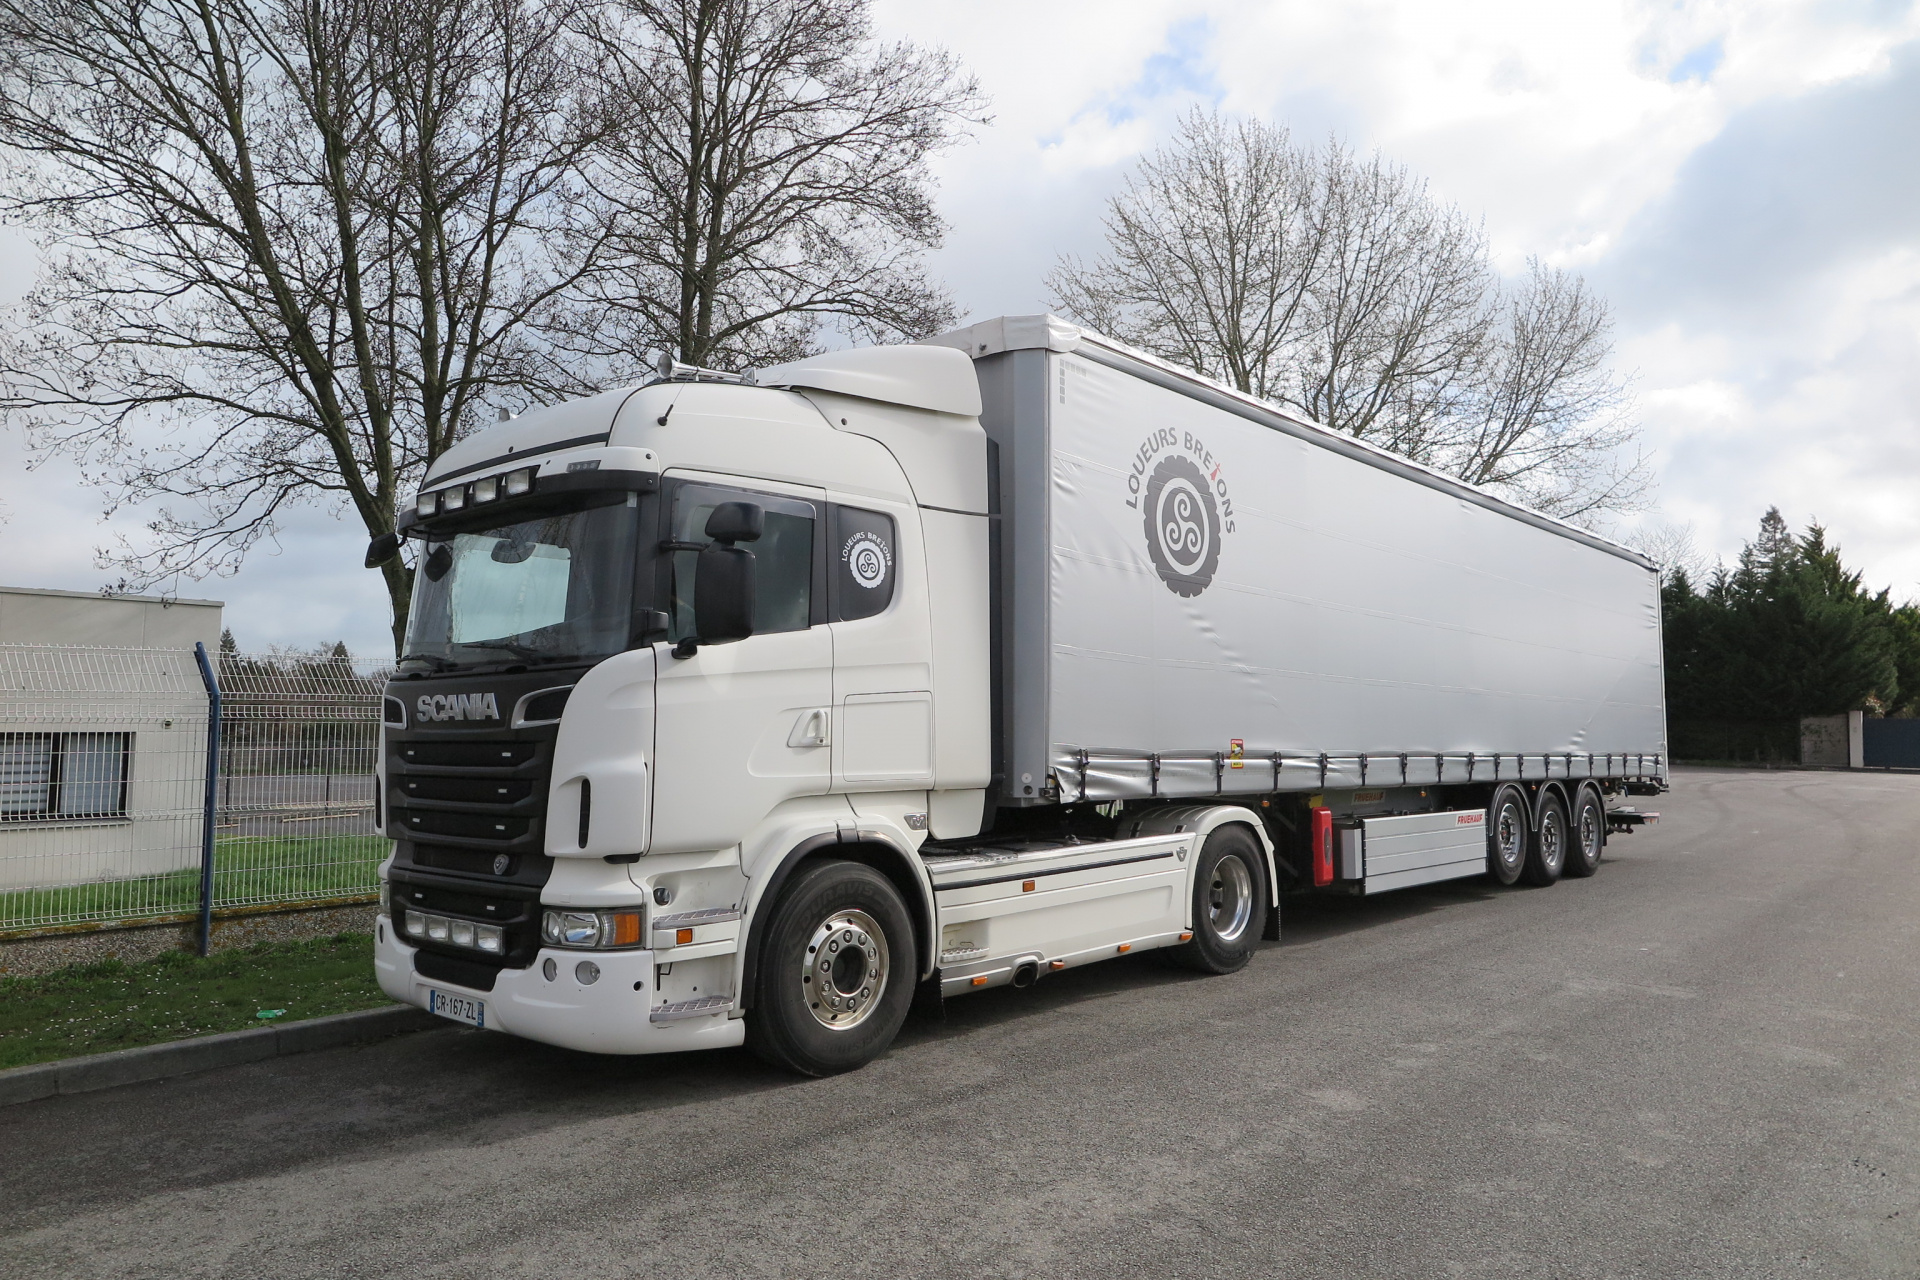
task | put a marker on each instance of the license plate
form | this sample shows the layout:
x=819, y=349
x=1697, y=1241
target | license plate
x=460, y=1008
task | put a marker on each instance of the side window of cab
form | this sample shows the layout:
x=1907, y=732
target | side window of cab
x=787, y=594
x=862, y=571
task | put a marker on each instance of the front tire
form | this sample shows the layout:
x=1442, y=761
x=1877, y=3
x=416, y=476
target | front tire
x=1588, y=831
x=1547, y=851
x=1229, y=903
x=1507, y=829
x=836, y=972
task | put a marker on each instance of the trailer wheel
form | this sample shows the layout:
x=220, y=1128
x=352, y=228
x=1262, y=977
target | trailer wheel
x=837, y=971
x=1588, y=831
x=1547, y=851
x=1229, y=903
x=1507, y=834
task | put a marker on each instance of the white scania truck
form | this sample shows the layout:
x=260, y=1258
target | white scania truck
x=744, y=710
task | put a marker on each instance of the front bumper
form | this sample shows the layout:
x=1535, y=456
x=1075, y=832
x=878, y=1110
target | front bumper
x=609, y=1016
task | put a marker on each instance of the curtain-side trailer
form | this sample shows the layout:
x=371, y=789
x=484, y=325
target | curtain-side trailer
x=741, y=709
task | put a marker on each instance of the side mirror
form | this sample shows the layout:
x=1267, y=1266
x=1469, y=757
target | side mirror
x=383, y=548
x=723, y=592
x=733, y=522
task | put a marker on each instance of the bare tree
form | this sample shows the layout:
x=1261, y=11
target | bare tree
x=1213, y=250
x=1547, y=420
x=292, y=247
x=1342, y=286
x=769, y=178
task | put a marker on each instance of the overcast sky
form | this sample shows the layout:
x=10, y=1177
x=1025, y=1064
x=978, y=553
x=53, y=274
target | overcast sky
x=1740, y=181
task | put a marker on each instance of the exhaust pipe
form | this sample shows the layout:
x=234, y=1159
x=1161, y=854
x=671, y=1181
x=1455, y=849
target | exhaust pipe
x=1027, y=972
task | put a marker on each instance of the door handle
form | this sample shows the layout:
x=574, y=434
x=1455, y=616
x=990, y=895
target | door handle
x=813, y=729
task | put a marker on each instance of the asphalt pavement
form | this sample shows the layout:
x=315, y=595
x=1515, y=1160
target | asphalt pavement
x=1701, y=1062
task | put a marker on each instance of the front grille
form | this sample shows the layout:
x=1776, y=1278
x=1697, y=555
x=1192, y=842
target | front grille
x=473, y=974
x=470, y=826
x=515, y=908
x=471, y=862
x=467, y=755
x=491, y=791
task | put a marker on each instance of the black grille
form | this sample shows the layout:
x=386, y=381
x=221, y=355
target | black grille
x=467, y=755
x=473, y=974
x=472, y=862
x=471, y=826
x=489, y=791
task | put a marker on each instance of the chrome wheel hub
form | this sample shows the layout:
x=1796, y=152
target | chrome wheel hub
x=1230, y=898
x=1509, y=837
x=846, y=967
x=1553, y=844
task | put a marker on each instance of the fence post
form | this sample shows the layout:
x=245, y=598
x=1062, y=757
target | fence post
x=207, y=814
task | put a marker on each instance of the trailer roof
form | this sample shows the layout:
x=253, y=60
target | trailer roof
x=1051, y=333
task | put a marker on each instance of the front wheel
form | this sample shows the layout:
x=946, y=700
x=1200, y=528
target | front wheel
x=1229, y=903
x=836, y=973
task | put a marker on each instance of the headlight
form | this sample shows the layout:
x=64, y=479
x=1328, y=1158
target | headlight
x=591, y=930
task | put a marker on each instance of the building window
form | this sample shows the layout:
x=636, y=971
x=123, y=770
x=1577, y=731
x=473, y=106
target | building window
x=56, y=776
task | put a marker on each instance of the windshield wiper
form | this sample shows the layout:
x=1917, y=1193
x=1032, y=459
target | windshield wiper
x=433, y=660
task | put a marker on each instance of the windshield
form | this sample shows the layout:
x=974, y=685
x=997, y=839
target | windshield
x=551, y=588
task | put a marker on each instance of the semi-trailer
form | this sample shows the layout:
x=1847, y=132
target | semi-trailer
x=747, y=708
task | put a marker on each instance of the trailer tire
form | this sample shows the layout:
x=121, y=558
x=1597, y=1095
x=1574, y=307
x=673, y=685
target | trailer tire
x=871, y=966
x=1587, y=832
x=1547, y=849
x=1507, y=834
x=1229, y=903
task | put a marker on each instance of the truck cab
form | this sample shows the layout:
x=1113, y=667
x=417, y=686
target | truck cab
x=591, y=800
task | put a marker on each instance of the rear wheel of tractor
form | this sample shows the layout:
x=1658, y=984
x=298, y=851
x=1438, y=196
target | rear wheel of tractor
x=1587, y=831
x=1507, y=834
x=1547, y=851
x=837, y=971
x=1229, y=903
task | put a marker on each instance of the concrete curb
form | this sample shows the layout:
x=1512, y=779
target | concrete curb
x=202, y=1053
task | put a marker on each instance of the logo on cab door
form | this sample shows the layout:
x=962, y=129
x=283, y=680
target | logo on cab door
x=457, y=706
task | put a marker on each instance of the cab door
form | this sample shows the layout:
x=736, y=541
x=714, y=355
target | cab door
x=742, y=726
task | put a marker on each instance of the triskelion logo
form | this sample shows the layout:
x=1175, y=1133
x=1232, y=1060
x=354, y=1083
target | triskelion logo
x=867, y=559
x=1176, y=485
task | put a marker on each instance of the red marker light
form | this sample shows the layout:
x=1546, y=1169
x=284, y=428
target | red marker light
x=1322, y=847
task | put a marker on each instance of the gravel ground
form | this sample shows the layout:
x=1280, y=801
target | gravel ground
x=1701, y=1062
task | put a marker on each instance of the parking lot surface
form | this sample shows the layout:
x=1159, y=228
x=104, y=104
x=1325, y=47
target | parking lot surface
x=1701, y=1062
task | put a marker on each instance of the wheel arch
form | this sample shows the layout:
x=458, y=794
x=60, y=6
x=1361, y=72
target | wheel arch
x=1555, y=788
x=1202, y=821
x=870, y=850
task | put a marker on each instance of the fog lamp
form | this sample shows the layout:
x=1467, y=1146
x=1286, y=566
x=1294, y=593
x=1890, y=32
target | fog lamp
x=490, y=937
x=460, y=932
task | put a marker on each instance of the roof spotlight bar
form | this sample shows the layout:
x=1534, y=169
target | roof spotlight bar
x=670, y=370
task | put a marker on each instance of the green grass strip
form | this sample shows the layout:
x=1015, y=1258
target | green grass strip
x=246, y=869
x=95, y=1008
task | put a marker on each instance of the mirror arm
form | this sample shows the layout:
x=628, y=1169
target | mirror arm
x=688, y=646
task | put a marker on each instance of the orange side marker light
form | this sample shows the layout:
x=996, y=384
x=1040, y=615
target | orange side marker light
x=1125, y=947
x=980, y=981
x=681, y=937
x=1026, y=886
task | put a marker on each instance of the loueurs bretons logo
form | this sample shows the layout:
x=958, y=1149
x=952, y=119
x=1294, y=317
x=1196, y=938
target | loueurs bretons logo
x=1176, y=486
